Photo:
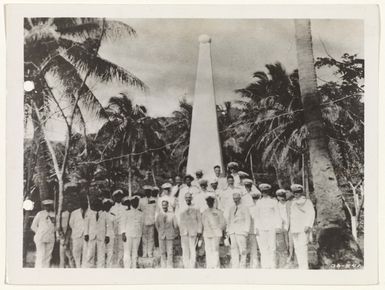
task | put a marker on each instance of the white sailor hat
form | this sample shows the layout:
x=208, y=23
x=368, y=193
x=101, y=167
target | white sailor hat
x=264, y=186
x=147, y=187
x=47, y=202
x=126, y=198
x=155, y=188
x=118, y=191
x=134, y=197
x=247, y=181
x=243, y=174
x=280, y=192
x=107, y=200
x=232, y=164
x=296, y=188
x=166, y=185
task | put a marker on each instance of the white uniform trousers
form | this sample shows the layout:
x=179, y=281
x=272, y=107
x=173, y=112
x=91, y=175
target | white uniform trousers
x=131, y=247
x=212, y=252
x=43, y=254
x=117, y=260
x=96, y=249
x=148, y=240
x=189, y=251
x=79, y=251
x=238, y=250
x=300, y=249
x=252, y=246
x=166, y=253
x=267, y=246
x=66, y=253
x=110, y=253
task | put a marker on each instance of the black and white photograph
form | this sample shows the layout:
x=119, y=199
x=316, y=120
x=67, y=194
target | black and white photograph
x=193, y=143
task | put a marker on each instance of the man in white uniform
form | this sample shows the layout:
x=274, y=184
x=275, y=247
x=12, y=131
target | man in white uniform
x=107, y=204
x=131, y=231
x=302, y=217
x=282, y=234
x=117, y=210
x=267, y=222
x=233, y=168
x=190, y=229
x=249, y=198
x=77, y=224
x=166, y=195
x=43, y=226
x=216, y=191
x=199, y=176
x=238, y=228
x=187, y=187
x=222, y=181
x=226, y=197
x=200, y=196
x=167, y=227
x=178, y=184
x=97, y=234
x=248, y=191
x=148, y=205
x=214, y=225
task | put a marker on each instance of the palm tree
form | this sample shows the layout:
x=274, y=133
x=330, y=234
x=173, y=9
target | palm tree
x=271, y=125
x=178, y=133
x=333, y=235
x=130, y=131
x=66, y=49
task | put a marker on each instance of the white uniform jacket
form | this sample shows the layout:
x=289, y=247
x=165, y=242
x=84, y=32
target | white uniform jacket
x=77, y=223
x=190, y=221
x=132, y=223
x=98, y=229
x=266, y=214
x=238, y=221
x=302, y=214
x=43, y=227
x=213, y=223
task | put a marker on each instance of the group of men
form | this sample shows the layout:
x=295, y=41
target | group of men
x=205, y=214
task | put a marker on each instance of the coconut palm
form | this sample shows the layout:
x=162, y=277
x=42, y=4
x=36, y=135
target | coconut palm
x=178, y=133
x=130, y=134
x=333, y=235
x=271, y=125
x=66, y=50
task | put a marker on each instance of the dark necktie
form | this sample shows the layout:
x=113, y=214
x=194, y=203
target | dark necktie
x=236, y=209
x=97, y=216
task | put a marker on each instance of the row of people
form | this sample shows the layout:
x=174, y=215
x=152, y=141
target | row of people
x=109, y=233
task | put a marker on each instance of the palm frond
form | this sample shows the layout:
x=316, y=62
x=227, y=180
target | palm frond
x=84, y=60
x=71, y=81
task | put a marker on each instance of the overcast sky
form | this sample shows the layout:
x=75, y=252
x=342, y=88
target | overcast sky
x=164, y=55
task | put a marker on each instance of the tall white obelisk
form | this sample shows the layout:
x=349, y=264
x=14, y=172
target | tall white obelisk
x=205, y=150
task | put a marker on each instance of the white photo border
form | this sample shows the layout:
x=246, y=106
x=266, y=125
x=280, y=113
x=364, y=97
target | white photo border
x=16, y=274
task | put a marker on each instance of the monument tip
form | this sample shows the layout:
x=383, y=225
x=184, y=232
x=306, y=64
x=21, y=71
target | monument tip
x=204, y=38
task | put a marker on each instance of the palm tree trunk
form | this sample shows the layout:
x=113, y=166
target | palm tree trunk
x=129, y=175
x=333, y=235
x=152, y=169
x=41, y=160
